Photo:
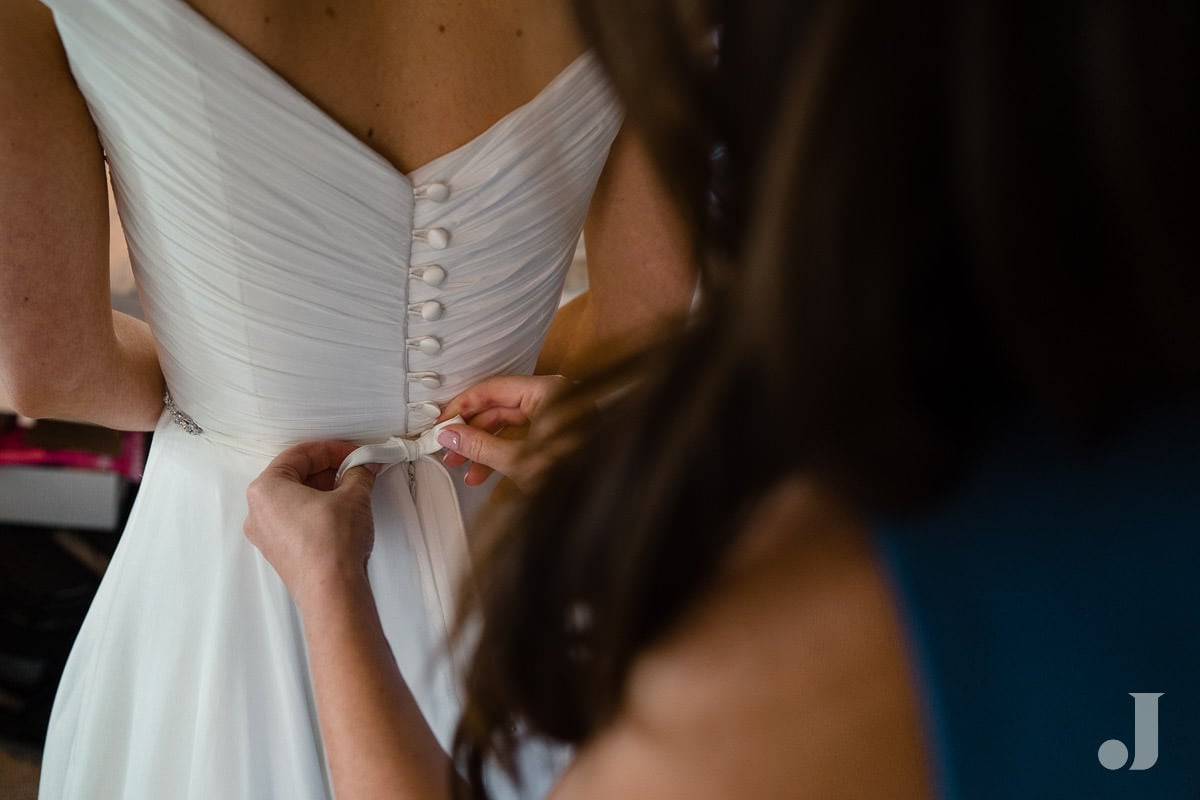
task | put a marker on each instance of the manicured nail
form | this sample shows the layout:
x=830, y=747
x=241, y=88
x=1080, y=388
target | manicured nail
x=449, y=440
x=372, y=468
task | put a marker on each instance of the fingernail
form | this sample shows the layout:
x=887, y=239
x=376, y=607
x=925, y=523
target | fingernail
x=372, y=468
x=449, y=440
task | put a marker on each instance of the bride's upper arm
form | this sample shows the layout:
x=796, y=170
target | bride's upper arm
x=54, y=299
x=640, y=266
x=788, y=680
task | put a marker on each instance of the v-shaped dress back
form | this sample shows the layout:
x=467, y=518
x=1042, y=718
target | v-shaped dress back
x=299, y=287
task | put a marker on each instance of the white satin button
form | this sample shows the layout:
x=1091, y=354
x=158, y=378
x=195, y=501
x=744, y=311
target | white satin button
x=426, y=409
x=433, y=275
x=430, y=310
x=437, y=191
x=429, y=380
x=437, y=238
x=429, y=345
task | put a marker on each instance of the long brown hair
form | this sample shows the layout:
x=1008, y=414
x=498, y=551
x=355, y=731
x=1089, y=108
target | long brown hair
x=933, y=219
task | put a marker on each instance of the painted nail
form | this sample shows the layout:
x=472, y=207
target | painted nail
x=449, y=440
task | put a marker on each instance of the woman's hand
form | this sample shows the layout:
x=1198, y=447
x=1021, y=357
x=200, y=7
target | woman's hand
x=498, y=412
x=316, y=535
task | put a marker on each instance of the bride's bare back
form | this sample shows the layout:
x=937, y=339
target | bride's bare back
x=411, y=80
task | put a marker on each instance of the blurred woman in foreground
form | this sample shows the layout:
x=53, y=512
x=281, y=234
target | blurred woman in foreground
x=910, y=510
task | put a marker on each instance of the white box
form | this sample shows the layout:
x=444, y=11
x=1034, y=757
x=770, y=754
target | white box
x=60, y=497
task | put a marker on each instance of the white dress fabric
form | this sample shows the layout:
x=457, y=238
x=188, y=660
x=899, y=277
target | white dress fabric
x=299, y=287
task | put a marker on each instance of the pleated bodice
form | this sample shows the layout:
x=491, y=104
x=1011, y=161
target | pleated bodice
x=298, y=285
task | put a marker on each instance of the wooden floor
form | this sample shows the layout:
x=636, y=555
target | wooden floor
x=18, y=774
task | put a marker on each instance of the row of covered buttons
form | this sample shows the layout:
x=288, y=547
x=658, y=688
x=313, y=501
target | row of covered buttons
x=433, y=275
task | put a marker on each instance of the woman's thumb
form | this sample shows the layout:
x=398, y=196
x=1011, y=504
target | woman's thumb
x=360, y=478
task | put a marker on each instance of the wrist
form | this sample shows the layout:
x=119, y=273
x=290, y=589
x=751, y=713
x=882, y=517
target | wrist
x=333, y=588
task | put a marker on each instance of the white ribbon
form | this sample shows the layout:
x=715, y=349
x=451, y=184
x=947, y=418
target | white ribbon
x=439, y=541
x=397, y=450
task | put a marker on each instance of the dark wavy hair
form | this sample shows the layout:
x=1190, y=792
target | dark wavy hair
x=934, y=219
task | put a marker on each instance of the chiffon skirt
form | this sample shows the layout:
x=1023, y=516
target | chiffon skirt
x=189, y=679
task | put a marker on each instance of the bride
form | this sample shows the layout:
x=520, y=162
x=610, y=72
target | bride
x=340, y=214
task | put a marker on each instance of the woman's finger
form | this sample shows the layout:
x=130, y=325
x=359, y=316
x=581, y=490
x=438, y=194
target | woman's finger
x=524, y=392
x=358, y=480
x=482, y=448
x=324, y=480
x=492, y=420
x=500, y=390
x=452, y=459
x=477, y=474
x=303, y=461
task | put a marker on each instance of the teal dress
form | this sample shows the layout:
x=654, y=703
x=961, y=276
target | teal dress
x=1052, y=608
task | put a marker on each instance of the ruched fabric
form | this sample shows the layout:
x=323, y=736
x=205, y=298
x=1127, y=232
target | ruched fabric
x=299, y=287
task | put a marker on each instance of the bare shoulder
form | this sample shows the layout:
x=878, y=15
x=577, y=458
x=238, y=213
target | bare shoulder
x=789, y=679
x=45, y=127
x=30, y=41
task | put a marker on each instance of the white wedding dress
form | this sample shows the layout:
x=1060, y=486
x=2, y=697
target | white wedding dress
x=299, y=288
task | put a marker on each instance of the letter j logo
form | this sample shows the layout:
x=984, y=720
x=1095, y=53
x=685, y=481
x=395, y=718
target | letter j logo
x=1113, y=754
